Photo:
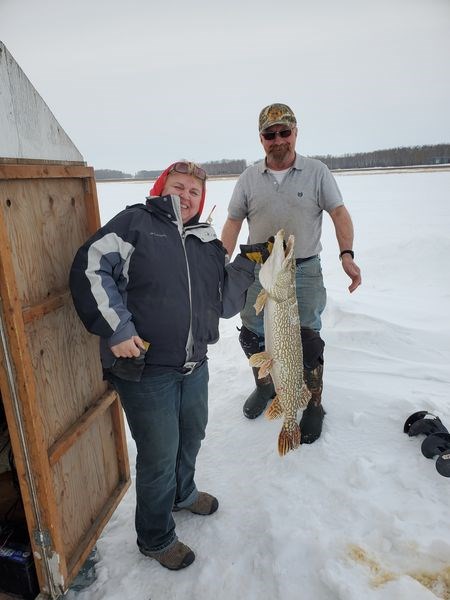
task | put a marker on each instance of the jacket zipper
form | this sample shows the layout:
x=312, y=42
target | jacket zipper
x=190, y=340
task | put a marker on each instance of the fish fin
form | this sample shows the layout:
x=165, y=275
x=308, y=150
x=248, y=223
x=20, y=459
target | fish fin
x=305, y=396
x=289, y=437
x=264, y=369
x=262, y=360
x=260, y=301
x=289, y=247
x=275, y=410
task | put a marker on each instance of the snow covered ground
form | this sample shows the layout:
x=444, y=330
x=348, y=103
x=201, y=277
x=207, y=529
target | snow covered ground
x=360, y=514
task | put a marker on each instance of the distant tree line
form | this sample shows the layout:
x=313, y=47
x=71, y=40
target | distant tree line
x=437, y=154
x=215, y=167
x=393, y=157
x=225, y=167
x=111, y=174
x=147, y=174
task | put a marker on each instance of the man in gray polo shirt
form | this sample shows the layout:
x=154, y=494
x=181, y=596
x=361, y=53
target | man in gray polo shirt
x=288, y=191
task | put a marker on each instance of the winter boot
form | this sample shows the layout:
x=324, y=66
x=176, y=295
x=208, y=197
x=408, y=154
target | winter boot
x=313, y=415
x=258, y=399
x=255, y=404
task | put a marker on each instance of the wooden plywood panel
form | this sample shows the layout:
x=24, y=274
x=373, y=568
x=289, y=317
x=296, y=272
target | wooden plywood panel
x=66, y=364
x=46, y=221
x=85, y=475
x=67, y=426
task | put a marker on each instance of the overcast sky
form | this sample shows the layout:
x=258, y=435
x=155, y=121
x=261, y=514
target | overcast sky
x=138, y=84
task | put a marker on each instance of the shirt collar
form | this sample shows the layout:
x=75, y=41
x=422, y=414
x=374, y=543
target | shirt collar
x=298, y=164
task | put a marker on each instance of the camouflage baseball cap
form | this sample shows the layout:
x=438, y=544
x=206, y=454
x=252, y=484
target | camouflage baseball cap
x=276, y=114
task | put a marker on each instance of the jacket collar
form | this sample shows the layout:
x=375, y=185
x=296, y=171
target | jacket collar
x=169, y=208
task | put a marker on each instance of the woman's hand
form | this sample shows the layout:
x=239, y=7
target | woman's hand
x=129, y=348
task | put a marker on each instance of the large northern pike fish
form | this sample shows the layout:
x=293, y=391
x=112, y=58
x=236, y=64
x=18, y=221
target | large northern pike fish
x=283, y=357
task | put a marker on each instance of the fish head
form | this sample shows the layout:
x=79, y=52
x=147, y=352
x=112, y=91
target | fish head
x=277, y=274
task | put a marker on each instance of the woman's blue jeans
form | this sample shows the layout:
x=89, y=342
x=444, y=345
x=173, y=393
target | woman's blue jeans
x=311, y=298
x=167, y=415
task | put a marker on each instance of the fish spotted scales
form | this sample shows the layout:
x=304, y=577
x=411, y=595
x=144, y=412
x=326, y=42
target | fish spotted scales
x=283, y=357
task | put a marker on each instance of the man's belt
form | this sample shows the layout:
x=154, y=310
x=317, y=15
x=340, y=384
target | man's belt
x=302, y=260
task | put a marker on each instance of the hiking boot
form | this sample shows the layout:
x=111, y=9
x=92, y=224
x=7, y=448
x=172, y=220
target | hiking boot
x=312, y=418
x=204, y=505
x=176, y=557
x=258, y=399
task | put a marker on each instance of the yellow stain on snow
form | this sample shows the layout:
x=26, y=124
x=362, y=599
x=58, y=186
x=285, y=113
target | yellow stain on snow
x=437, y=582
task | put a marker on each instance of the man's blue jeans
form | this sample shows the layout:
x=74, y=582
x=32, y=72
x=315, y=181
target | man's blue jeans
x=167, y=415
x=311, y=298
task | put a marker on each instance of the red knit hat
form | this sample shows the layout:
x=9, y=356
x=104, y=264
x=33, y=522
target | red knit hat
x=160, y=183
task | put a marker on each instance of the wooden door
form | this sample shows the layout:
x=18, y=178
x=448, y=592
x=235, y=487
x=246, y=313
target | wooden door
x=65, y=423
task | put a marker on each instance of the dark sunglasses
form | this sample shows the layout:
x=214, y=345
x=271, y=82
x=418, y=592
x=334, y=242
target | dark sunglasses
x=271, y=135
x=188, y=168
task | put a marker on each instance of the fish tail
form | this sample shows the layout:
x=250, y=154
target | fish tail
x=275, y=410
x=289, y=437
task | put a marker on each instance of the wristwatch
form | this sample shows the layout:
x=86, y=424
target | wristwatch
x=352, y=254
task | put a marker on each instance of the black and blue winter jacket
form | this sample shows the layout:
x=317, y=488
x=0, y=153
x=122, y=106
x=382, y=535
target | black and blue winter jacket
x=146, y=274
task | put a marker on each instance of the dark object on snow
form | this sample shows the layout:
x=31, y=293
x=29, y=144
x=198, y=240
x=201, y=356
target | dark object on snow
x=423, y=422
x=87, y=574
x=443, y=463
x=435, y=443
x=437, y=440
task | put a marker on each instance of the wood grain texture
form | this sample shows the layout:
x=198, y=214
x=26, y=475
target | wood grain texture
x=73, y=449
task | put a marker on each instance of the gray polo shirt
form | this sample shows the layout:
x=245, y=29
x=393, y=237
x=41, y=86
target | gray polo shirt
x=296, y=205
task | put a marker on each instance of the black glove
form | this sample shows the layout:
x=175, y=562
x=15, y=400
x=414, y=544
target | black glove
x=258, y=253
x=131, y=368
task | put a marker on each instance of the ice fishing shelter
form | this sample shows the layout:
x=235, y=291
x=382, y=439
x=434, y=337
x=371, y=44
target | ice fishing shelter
x=64, y=423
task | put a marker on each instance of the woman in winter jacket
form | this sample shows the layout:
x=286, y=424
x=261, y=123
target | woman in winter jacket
x=152, y=284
